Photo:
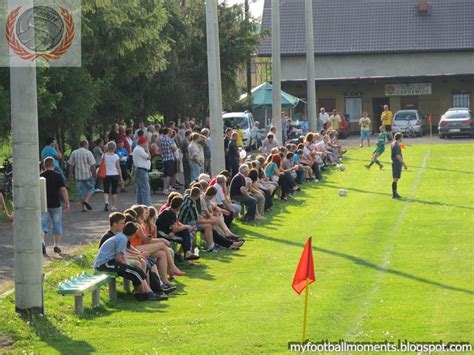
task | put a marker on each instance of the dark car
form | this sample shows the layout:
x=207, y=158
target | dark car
x=456, y=122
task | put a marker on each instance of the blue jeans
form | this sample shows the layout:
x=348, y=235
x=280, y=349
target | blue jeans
x=85, y=187
x=56, y=217
x=195, y=170
x=143, y=187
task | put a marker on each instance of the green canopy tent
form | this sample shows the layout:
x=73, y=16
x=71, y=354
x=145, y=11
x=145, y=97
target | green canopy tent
x=262, y=98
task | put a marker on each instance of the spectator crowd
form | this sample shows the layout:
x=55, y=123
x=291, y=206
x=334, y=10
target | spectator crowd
x=148, y=244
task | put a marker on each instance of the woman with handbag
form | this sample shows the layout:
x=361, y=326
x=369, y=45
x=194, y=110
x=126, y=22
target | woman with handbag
x=113, y=175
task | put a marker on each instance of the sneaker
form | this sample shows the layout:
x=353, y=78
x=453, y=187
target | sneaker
x=123, y=190
x=167, y=288
x=397, y=196
x=172, y=189
x=87, y=205
x=166, y=191
x=57, y=250
x=381, y=166
x=213, y=249
x=367, y=166
x=99, y=190
x=113, y=209
x=106, y=208
x=44, y=250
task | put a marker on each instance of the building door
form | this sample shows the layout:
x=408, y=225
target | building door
x=379, y=103
x=409, y=102
x=328, y=104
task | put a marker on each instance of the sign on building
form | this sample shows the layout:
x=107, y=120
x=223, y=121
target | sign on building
x=413, y=89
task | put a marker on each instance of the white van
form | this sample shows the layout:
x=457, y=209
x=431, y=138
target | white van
x=245, y=121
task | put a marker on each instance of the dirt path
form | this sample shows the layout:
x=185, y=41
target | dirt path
x=80, y=228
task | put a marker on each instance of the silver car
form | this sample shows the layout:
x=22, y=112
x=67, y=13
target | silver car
x=409, y=121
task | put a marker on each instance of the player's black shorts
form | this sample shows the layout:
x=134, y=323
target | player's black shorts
x=388, y=128
x=170, y=168
x=396, y=170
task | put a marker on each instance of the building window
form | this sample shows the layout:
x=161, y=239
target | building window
x=461, y=99
x=354, y=108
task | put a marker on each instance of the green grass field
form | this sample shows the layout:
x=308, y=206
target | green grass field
x=385, y=269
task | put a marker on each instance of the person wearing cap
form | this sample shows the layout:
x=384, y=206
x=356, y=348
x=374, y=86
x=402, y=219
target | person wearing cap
x=142, y=162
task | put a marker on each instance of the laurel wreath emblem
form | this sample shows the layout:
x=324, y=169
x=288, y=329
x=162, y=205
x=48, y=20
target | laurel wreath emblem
x=27, y=55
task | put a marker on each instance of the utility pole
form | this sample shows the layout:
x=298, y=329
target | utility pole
x=276, y=70
x=310, y=71
x=215, y=87
x=249, y=60
x=26, y=192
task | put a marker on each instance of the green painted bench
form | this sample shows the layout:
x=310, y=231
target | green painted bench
x=79, y=285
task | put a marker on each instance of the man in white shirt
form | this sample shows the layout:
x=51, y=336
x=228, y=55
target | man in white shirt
x=82, y=169
x=142, y=162
x=141, y=127
x=323, y=118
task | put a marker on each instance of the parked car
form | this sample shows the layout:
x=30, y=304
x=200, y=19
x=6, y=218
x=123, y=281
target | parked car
x=413, y=120
x=456, y=121
x=344, y=126
x=245, y=121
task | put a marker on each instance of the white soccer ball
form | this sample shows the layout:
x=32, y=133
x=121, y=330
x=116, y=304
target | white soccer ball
x=341, y=167
x=342, y=192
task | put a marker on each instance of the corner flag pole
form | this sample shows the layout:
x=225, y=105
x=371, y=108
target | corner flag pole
x=305, y=318
x=304, y=276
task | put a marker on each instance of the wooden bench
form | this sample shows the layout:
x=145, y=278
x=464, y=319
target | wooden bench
x=79, y=285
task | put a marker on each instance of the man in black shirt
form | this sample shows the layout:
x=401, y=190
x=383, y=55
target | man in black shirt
x=54, y=188
x=397, y=163
x=168, y=223
x=234, y=155
x=183, y=146
x=227, y=138
x=117, y=222
x=239, y=192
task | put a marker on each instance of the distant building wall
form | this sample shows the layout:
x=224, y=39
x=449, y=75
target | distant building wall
x=380, y=65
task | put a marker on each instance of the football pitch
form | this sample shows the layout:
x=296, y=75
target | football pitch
x=386, y=270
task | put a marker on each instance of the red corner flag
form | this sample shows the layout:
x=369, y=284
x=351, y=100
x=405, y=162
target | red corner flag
x=430, y=118
x=305, y=269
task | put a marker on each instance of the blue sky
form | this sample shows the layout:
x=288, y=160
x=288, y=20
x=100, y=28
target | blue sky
x=256, y=6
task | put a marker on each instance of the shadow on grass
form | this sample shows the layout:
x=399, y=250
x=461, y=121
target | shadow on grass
x=388, y=164
x=359, y=261
x=54, y=337
x=404, y=199
x=128, y=303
